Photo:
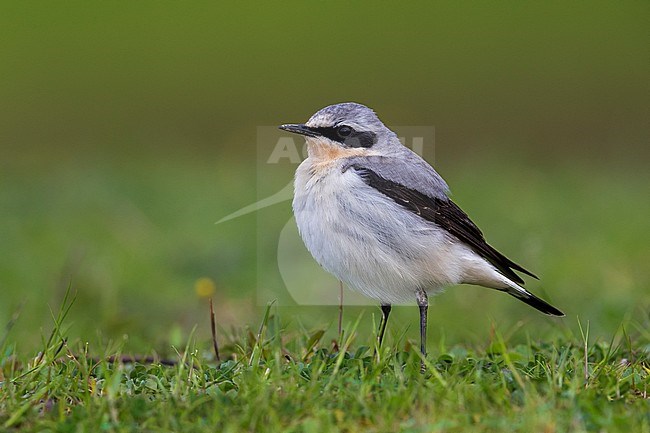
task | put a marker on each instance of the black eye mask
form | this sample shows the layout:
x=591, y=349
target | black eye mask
x=347, y=135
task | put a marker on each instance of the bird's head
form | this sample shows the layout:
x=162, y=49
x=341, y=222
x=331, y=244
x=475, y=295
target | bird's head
x=347, y=128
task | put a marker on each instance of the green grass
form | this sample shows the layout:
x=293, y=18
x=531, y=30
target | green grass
x=132, y=238
x=278, y=379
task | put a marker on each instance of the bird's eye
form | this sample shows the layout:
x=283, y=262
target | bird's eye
x=344, y=131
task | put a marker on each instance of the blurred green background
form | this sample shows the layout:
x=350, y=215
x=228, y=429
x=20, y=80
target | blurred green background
x=128, y=128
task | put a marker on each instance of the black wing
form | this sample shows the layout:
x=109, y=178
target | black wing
x=446, y=214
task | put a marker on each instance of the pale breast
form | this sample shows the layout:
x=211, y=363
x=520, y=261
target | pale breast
x=364, y=238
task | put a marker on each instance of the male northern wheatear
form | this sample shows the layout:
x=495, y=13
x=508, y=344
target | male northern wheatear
x=377, y=216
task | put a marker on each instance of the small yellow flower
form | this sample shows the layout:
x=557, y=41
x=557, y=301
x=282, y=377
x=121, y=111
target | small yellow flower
x=205, y=287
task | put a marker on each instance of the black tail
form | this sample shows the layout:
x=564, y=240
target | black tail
x=535, y=302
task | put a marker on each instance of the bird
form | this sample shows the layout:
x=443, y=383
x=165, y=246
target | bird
x=379, y=217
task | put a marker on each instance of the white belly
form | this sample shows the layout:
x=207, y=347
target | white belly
x=370, y=242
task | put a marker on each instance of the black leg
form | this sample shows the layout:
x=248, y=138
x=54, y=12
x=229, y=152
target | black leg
x=385, y=311
x=423, y=303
